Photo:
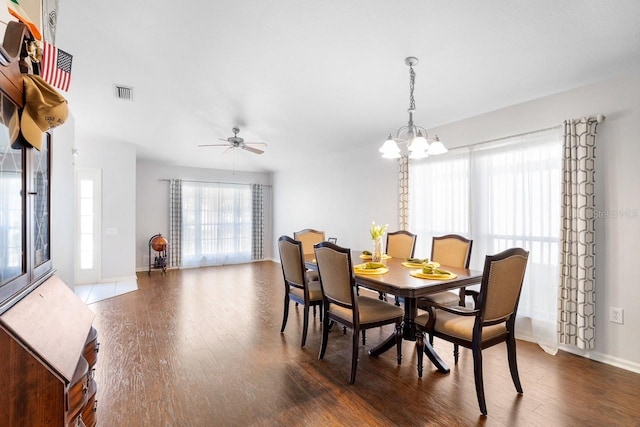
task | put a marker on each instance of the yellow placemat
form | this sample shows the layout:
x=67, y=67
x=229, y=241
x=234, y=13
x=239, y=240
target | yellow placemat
x=421, y=275
x=363, y=256
x=420, y=265
x=361, y=269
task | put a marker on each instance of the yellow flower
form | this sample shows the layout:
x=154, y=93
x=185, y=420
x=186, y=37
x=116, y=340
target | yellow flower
x=377, y=231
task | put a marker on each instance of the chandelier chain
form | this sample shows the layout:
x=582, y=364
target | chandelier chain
x=412, y=82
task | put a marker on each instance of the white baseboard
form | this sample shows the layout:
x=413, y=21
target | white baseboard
x=593, y=355
x=604, y=358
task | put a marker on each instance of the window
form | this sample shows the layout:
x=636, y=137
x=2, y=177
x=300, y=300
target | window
x=500, y=194
x=216, y=223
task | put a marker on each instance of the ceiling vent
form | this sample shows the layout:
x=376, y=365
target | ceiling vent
x=123, y=92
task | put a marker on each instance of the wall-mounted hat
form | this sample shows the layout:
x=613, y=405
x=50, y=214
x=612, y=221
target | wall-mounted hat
x=44, y=108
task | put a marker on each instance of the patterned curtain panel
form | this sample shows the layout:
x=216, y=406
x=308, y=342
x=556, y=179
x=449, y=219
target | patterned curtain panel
x=175, y=223
x=257, y=196
x=576, y=308
x=403, y=190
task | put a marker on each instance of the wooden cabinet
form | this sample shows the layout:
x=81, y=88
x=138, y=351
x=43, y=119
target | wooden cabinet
x=45, y=376
x=39, y=385
x=25, y=246
x=48, y=347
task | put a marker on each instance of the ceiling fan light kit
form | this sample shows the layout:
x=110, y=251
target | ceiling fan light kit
x=416, y=138
x=237, y=142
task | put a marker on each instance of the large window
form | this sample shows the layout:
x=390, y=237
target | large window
x=216, y=224
x=500, y=194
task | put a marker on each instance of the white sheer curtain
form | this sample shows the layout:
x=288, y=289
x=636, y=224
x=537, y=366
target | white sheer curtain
x=439, y=198
x=216, y=223
x=511, y=198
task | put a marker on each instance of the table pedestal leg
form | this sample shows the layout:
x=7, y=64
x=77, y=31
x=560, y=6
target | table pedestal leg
x=408, y=328
x=435, y=359
x=409, y=333
x=383, y=346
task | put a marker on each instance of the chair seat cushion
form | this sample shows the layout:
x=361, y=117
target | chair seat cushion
x=315, y=292
x=460, y=326
x=371, y=310
x=442, y=298
x=312, y=276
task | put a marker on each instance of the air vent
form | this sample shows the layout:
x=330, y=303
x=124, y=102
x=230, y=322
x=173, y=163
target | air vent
x=123, y=92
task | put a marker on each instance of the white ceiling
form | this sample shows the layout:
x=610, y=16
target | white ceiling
x=309, y=77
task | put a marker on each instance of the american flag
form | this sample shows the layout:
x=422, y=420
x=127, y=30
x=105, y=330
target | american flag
x=56, y=66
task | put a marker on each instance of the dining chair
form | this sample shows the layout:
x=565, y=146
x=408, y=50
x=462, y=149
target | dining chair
x=343, y=305
x=400, y=244
x=490, y=322
x=297, y=283
x=450, y=250
x=454, y=251
x=309, y=237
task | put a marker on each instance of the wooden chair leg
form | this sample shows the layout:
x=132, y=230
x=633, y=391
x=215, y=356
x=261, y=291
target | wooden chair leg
x=456, y=352
x=314, y=311
x=399, y=341
x=305, y=325
x=430, y=339
x=354, y=356
x=325, y=336
x=477, y=372
x=364, y=337
x=285, y=315
x=420, y=350
x=513, y=365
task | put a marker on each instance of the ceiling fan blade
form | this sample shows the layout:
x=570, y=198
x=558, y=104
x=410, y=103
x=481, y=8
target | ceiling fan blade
x=213, y=145
x=228, y=150
x=253, y=150
x=257, y=143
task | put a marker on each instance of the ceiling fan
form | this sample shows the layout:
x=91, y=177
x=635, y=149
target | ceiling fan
x=237, y=142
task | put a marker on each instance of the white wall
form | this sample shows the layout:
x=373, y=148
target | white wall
x=342, y=202
x=63, y=202
x=117, y=162
x=340, y=195
x=152, y=214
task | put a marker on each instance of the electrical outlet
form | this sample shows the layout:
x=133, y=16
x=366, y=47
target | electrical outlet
x=616, y=315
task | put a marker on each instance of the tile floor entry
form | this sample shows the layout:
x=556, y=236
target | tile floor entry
x=99, y=291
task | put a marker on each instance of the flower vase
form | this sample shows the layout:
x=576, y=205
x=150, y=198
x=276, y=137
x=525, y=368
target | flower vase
x=376, y=255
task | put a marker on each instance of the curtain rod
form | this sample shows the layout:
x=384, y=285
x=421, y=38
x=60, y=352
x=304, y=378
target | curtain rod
x=599, y=118
x=217, y=182
x=475, y=144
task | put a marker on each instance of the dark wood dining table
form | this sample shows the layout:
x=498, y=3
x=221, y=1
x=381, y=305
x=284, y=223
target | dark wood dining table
x=399, y=282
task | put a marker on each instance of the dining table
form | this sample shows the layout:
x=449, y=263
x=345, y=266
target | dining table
x=409, y=287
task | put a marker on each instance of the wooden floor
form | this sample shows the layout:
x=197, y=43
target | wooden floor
x=203, y=347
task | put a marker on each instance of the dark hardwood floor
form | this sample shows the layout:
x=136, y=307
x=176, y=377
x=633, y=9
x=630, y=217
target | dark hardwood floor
x=203, y=347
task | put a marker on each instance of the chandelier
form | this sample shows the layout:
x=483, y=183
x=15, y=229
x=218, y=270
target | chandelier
x=416, y=138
